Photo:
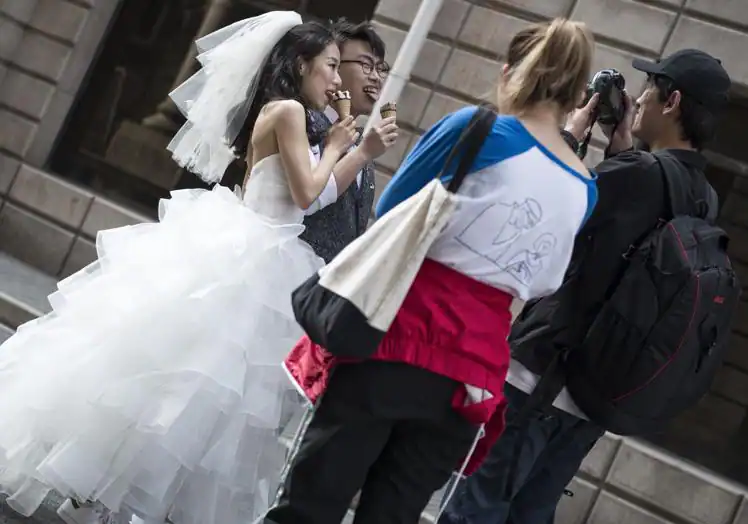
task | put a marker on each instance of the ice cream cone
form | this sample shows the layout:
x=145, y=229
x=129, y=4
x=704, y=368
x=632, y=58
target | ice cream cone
x=388, y=110
x=342, y=108
x=342, y=104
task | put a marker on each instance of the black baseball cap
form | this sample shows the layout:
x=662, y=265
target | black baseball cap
x=695, y=73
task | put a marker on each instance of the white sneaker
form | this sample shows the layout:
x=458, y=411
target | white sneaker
x=83, y=514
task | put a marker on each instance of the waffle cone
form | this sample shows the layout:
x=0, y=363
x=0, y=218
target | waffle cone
x=342, y=108
x=387, y=113
x=388, y=110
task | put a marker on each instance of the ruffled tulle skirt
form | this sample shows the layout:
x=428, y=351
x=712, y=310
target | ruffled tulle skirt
x=156, y=381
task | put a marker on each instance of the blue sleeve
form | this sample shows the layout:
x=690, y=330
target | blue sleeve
x=425, y=161
x=591, y=198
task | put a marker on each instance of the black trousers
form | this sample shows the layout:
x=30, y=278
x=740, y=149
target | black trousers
x=385, y=429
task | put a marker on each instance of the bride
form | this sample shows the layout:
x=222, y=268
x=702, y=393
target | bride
x=155, y=386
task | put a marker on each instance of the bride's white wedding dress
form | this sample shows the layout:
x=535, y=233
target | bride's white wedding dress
x=156, y=381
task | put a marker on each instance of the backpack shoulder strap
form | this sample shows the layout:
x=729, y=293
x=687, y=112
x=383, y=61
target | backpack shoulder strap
x=469, y=144
x=690, y=196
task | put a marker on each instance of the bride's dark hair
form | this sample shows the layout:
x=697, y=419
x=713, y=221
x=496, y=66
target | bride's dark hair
x=281, y=79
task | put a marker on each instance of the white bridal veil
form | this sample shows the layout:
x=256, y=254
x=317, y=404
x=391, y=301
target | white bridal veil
x=216, y=99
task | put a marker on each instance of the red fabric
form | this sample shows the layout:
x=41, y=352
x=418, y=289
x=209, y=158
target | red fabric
x=450, y=324
x=309, y=365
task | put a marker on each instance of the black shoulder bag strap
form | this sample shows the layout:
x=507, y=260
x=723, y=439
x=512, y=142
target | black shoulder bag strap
x=469, y=144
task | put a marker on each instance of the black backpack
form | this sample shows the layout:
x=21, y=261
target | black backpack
x=656, y=344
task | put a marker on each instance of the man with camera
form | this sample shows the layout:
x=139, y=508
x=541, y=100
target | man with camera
x=553, y=419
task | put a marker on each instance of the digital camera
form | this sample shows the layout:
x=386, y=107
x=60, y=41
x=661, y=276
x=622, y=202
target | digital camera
x=610, y=84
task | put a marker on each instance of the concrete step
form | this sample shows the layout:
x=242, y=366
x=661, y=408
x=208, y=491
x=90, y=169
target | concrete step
x=23, y=292
x=46, y=514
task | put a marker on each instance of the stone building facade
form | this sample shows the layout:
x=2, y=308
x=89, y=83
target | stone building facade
x=74, y=137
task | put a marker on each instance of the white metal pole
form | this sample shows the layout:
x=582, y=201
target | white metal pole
x=406, y=57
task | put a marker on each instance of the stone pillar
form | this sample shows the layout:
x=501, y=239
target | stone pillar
x=166, y=117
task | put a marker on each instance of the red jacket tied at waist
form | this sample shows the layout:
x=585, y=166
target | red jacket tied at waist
x=450, y=324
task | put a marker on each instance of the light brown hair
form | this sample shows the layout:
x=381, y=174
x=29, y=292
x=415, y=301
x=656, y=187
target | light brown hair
x=548, y=62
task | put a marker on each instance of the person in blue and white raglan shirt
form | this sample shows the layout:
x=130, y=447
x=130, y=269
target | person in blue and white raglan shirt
x=396, y=425
x=520, y=205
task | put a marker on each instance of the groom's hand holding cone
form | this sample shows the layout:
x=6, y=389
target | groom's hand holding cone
x=383, y=135
x=379, y=138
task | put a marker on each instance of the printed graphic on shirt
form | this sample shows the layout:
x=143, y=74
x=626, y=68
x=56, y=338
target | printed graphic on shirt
x=528, y=263
x=515, y=221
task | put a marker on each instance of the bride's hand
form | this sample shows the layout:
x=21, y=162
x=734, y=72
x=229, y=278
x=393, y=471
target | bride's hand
x=342, y=136
x=380, y=138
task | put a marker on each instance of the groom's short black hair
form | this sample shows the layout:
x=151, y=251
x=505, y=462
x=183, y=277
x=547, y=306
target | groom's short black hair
x=364, y=32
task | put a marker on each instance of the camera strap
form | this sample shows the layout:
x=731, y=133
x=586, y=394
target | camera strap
x=584, y=144
x=582, y=149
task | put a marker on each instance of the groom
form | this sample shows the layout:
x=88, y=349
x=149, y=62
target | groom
x=334, y=221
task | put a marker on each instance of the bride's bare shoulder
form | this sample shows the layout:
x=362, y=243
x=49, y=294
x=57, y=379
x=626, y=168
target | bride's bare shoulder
x=288, y=110
x=279, y=117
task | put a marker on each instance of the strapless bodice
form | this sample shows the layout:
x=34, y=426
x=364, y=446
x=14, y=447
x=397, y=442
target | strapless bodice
x=267, y=192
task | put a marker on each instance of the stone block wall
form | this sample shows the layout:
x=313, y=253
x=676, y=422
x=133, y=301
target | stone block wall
x=52, y=224
x=46, y=49
x=460, y=62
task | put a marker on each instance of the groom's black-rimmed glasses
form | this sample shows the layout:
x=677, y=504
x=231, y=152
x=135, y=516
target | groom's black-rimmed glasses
x=382, y=68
